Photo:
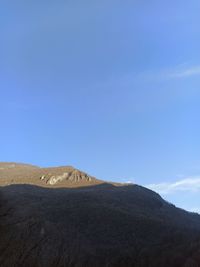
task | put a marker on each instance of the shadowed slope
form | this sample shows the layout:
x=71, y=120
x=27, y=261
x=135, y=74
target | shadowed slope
x=101, y=225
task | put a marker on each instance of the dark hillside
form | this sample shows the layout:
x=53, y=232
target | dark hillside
x=100, y=225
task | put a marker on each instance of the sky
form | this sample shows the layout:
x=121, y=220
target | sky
x=109, y=87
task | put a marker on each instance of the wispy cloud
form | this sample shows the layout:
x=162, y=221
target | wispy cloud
x=126, y=181
x=129, y=182
x=184, y=72
x=191, y=184
x=181, y=71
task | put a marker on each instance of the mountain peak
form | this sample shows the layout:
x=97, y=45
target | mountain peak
x=64, y=176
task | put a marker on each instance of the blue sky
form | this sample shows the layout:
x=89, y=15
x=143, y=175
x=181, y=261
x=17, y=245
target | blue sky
x=110, y=87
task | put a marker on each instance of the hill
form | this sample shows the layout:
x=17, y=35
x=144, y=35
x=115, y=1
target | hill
x=82, y=221
x=66, y=176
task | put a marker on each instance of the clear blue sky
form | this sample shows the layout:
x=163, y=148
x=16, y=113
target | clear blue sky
x=110, y=87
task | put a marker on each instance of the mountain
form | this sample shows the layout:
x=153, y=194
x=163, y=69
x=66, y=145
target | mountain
x=56, y=217
x=67, y=176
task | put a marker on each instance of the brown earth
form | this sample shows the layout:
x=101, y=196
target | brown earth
x=54, y=177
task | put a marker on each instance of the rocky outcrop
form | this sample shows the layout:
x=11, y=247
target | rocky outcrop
x=74, y=176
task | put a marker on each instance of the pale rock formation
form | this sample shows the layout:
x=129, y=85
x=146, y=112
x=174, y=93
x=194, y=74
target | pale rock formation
x=74, y=176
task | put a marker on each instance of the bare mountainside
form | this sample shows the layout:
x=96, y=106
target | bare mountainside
x=63, y=217
x=66, y=176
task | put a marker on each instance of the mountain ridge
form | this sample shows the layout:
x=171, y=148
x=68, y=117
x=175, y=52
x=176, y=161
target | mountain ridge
x=20, y=173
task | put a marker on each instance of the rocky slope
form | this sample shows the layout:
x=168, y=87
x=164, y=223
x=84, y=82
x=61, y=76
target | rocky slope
x=67, y=176
x=72, y=219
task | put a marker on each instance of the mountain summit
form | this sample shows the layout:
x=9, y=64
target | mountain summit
x=65, y=176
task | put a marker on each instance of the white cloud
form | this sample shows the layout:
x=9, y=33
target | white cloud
x=191, y=184
x=129, y=182
x=177, y=72
x=185, y=72
x=126, y=181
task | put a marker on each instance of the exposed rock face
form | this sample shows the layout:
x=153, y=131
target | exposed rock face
x=77, y=176
x=74, y=176
x=54, y=179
